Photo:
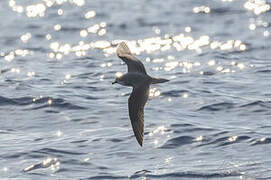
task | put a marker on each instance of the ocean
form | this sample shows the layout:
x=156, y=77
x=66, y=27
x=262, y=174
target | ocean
x=61, y=117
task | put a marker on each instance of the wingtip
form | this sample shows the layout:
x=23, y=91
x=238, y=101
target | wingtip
x=140, y=143
x=139, y=140
x=123, y=49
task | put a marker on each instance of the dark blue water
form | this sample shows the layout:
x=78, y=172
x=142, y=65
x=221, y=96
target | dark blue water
x=61, y=118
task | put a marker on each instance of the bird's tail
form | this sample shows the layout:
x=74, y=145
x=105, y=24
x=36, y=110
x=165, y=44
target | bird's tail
x=158, y=80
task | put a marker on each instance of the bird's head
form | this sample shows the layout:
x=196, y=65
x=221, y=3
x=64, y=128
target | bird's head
x=119, y=79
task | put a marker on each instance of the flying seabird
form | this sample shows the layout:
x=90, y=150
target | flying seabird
x=138, y=78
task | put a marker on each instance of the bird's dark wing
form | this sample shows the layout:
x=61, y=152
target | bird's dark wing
x=134, y=65
x=137, y=101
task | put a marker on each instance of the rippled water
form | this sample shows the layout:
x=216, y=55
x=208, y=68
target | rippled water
x=61, y=118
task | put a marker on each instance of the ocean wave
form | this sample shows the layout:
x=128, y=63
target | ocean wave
x=187, y=174
x=230, y=140
x=22, y=101
x=265, y=104
x=106, y=177
x=56, y=102
x=174, y=93
x=57, y=152
x=255, y=106
x=177, y=141
x=262, y=141
x=39, y=103
x=217, y=106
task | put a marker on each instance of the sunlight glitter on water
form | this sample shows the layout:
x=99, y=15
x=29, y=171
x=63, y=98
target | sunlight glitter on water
x=5, y=169
x=60, y=12
x=15, y=70
x=29, y=168
x=257, y=6
x=12, y=54
x=83, y=33
x=171, y=65
x=155, y=142
x=202, y=9
x=232, y=139
x=163, y=43
x=154, y=92
x=57, y=27
x=101, y=77
x=31, y=74
x=161, y=130
x=90, y=14
x=211, y=62
x=59, y=133
x=39, y=9
x=50, y=101
x=179, y=42
x=52, y=163
x=266, y=33
x=68, y=76
x=157, y=60
x=185, y=95
x=26, y=37
x=87, y=159
x=199, y=138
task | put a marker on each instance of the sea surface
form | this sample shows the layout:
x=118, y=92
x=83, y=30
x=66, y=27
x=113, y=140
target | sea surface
x=61, y=118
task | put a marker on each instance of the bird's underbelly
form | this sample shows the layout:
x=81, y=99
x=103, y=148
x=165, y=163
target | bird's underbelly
x=135, y=79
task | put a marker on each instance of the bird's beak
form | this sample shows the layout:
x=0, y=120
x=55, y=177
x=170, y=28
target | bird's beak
x=114, y=82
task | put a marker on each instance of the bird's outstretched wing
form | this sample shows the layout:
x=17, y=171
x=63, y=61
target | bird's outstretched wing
x=134, y=65
x=137, y=101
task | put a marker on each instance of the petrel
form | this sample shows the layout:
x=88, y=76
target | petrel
x=138, y=78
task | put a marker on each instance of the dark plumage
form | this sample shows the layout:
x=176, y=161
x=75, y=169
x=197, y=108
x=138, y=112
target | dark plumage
x=138, y=78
